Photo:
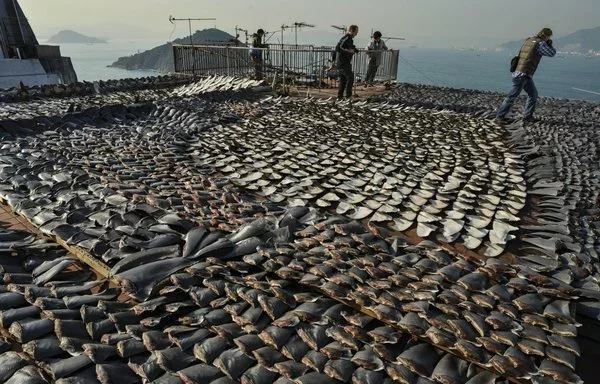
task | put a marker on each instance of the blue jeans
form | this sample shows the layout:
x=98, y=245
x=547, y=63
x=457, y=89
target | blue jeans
x=519, y=84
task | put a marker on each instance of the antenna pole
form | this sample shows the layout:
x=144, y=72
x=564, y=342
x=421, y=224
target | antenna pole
x=300, y=25
x=342, y=28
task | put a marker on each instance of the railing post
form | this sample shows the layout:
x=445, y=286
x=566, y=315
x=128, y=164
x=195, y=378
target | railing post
x=227, y=54
x=283, y=66
x=391, y=68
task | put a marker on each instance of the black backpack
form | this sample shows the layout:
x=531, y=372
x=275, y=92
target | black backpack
x=514, y=62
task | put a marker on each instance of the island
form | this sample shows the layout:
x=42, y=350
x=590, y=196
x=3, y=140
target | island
x=68, y=36
x=160, y=58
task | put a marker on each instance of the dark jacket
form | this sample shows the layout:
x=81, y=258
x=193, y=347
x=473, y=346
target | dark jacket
x=257, y=43
x=342, y=55
x=529, y=57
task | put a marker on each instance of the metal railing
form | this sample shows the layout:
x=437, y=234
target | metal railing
x=302, y=65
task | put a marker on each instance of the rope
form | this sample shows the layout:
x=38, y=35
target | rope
x=173, y=31
x=586, y=91
x=419, y=71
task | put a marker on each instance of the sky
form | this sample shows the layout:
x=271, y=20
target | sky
x=424, y=23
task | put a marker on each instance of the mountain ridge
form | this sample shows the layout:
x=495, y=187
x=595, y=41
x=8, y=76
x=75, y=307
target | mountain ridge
x=68, y=36
x=582, y=41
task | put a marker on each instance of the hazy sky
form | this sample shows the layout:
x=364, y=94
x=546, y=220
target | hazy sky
x=433, y=23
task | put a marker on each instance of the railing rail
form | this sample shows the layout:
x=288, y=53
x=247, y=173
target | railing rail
x=303, y=64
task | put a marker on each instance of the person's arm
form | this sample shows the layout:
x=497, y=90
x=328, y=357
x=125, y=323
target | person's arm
x=385, y=48
x=334, y=56
x=546, y=49
x=347, y=45
x=335, y=51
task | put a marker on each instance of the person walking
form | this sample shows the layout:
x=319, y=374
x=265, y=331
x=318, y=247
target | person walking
x=342, y=59
x=374, y=54
x=256, y=53
x=522, y=78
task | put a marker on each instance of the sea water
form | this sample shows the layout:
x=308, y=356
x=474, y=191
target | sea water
x=562, y=76
x=91, y=61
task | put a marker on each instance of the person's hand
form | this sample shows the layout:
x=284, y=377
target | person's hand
x=352, y=51
x=330, y=68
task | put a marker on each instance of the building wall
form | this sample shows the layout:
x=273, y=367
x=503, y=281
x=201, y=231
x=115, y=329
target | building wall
x=29, y=71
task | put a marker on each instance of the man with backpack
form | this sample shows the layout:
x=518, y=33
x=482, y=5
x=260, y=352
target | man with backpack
x=522, y=77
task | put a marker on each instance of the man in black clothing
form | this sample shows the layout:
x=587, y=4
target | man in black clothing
x=257, y=54
x=342, y=57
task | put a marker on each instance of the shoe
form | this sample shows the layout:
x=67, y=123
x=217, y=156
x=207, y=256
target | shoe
x=501, y=121
x=530, y=119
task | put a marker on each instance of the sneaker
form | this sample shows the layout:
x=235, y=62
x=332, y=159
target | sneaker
x=530, y=119
x=501, y=120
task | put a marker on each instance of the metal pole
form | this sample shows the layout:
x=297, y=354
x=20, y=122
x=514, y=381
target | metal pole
x=189, y=20
x=391, y=65
x=193, y=50
x=227, y=51
x=282, y=55
x=283, y=68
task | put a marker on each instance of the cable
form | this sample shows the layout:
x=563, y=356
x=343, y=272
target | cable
x=419, y=71
x=173, y=31
x=586, y=91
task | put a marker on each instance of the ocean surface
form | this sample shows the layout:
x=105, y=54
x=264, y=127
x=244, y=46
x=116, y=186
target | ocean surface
x=91, y=60
x=564, y=76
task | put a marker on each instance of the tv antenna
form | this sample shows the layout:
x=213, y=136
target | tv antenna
x=340, y=28
x=281, y=29
x=237, y=35
x=172, y=21
x=298, y=25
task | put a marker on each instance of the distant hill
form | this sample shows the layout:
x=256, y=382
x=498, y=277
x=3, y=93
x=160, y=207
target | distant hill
x=68, y=36
x=161, y=58
x=582, y=41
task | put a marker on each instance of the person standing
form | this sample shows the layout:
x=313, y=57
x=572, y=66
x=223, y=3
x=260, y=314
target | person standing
x=529, y=58
x=257, y=53
x=342, y=57
x=374, y=54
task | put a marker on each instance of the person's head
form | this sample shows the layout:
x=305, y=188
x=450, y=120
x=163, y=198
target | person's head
x=545, y=33
x=377, y=36
x=260, y=32
x=352, y=30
